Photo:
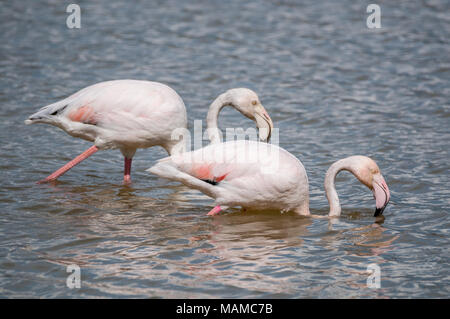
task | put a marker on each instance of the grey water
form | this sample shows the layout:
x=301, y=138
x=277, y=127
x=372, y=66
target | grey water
x=333, y=88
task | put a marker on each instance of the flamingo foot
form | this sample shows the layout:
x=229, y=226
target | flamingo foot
x=126, y=179
x=214, y=211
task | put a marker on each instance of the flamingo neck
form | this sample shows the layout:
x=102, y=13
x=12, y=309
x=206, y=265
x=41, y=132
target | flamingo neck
x=213, y=115
x=330, y=189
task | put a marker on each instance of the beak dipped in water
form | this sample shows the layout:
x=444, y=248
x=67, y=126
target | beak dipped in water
x=381, y=194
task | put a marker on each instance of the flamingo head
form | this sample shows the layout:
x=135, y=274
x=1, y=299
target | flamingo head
x=247, y=102
x=367, y=172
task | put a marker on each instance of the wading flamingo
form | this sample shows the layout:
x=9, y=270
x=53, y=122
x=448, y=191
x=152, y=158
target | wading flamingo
x=132, y=114
x=261, y=176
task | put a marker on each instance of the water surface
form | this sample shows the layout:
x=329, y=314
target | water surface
x=333, y=87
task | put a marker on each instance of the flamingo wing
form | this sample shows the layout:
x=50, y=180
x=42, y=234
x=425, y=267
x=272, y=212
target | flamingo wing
x=118, y=105
x=234, y=173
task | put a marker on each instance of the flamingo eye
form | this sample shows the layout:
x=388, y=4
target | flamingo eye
x=254, y=102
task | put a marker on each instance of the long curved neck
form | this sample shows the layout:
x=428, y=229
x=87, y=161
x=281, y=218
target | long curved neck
x=330, y=189
x=213, y=115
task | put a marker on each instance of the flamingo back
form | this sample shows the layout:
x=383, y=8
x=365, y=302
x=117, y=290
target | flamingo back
x=121, y=112
x=241, y=173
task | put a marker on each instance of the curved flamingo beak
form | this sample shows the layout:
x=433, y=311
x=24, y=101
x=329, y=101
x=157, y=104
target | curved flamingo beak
x=381, y=194
x=264, y=123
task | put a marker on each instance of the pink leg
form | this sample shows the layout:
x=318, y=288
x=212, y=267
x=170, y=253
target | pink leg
x=69, y=165
x=127, y=171
x=215, y=211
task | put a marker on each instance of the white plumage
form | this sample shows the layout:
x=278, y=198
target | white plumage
x=247, y=173
x=131, y=114
x=261, y=176
x=123, y=114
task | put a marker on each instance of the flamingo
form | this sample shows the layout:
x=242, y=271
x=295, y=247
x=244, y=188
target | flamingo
x=261, y=176
x=132, y=114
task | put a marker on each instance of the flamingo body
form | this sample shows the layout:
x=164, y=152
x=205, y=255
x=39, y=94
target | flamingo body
x=131, y=114
x=123, y=114
x=261, y=176
x=242, y=173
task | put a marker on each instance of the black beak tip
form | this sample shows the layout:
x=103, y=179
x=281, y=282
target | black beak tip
x=379, y=211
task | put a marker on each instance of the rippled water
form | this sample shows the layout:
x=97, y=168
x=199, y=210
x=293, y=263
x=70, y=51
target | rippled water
x=333, y=87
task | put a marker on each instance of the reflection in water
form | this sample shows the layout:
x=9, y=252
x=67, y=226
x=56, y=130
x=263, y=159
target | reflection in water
x=364, y=236
x=371, y=242
x=199, y=249
x=176, y=245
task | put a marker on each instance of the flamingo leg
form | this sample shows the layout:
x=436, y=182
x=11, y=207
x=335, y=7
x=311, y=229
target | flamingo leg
x=215, y=211
x=70, y=164
x=127, y=171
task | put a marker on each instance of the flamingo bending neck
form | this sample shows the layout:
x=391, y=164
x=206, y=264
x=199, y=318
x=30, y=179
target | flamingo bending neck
x=247, y=103
x=233, y=181
x=213, y=116
x=330, y=188
x=367, y=172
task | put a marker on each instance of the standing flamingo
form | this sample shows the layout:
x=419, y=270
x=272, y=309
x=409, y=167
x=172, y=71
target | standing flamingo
x=132, y=114
x=264, y=176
